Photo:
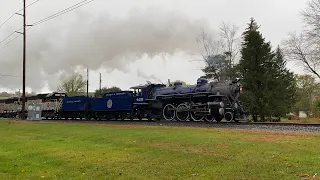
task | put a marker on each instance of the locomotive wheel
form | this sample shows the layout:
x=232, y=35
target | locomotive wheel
x=196, y=117
x=168, y=112
x=228, y=116
x=218, y=118
x=183, y=113
x=209, y=118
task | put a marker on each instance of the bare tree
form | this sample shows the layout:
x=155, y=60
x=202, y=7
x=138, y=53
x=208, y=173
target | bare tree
x=305, y=47
x=298, y=48
x=311, y=18
x=207, y=46
x=219, y=55
x=231, y=40
x=73, y=85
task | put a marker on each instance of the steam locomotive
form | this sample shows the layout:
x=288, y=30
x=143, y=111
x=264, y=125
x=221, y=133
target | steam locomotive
x=203, y=101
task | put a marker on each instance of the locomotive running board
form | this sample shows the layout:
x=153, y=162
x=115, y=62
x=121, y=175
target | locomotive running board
x=216, y=96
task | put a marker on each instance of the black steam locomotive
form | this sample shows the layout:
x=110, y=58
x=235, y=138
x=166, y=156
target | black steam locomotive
x=203, y=101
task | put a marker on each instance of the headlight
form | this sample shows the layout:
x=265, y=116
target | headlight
x=221, y=104
x=221, y=111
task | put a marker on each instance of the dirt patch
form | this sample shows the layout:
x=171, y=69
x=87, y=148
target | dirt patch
x=202, y=149
x=277, y=136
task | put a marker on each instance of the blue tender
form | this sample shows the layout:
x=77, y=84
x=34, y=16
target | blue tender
x=114, y=101
x=75, y=103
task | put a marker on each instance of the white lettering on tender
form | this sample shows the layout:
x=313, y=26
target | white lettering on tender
x=76, y=101
x=116, y=94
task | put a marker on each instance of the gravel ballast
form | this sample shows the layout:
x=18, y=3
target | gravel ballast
x=290, y=127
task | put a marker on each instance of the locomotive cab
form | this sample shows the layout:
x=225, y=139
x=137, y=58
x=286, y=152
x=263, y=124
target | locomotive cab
x=140, y=94
x=143, y=93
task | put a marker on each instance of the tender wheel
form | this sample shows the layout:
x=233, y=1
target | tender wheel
x=168, y=112
x=139, y=116
x=149, y=117
x=182, y=112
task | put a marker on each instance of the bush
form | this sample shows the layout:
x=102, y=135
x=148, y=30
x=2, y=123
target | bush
x=293, y=117
x=273, y=119
x=316, y=107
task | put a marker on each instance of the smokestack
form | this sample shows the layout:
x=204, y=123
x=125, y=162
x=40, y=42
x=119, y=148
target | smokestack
x=169, y=83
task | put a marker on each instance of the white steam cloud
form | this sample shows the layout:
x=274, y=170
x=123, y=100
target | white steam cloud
x=95, y=42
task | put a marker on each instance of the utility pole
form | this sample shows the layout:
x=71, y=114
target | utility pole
x=24, y=62
x=87, y=82
x=23, y=115
x=87, y=110
x=100, y=83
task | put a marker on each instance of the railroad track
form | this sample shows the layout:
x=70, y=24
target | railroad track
x=269, y=126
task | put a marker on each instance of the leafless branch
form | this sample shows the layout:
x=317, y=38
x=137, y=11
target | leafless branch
x=298, y=48
x=311, y=18
x=207, y=46
x=229, y=35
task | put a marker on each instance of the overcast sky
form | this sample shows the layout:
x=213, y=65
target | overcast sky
x=112, y=37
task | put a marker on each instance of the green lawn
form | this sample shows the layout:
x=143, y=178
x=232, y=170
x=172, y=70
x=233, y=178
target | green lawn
x=91, y=151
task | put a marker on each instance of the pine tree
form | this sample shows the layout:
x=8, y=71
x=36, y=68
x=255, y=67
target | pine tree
x=269, y=87
x=254, y=65
x=285, y=89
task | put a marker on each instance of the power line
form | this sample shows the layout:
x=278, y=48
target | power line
x=6, y=75
x=29, y=5
x=7, y=20
x=10, y=16
x=18, y=11
x=7, y=37
x=10, y=35
x=82, y=3
x=12, y=39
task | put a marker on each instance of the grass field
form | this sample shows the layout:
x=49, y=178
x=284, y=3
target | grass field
x=92, y=151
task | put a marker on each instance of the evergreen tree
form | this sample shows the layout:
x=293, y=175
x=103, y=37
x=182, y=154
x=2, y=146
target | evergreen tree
x=254, y=67
x=287, y=91
x=282, y=87
x=269, y=87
